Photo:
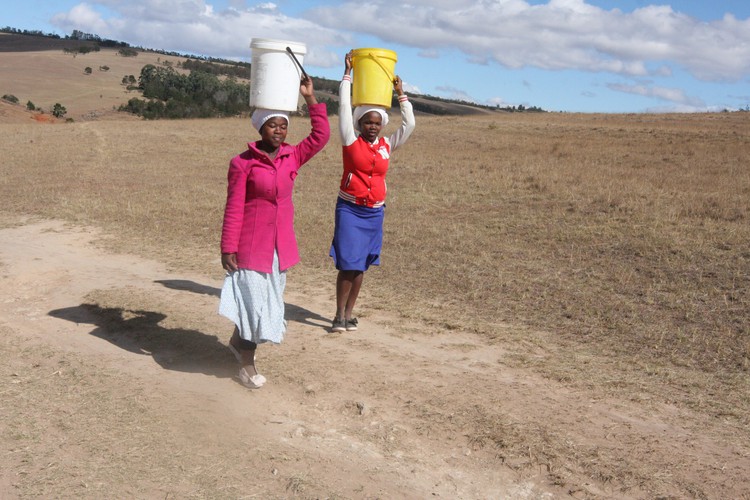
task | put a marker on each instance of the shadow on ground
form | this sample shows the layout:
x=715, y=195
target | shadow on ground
x=292, y=312
x=139, y=332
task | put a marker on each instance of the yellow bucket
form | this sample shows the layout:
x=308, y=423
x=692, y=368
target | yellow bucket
x=374, y=71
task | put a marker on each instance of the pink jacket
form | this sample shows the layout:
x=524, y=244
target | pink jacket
x=259, y=214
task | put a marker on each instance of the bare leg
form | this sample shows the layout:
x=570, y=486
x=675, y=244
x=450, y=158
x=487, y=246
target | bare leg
x=246, y=350
x=348, y=284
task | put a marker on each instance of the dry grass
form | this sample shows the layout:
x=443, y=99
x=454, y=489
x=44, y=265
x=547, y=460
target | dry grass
x=36, y=69
x=616, y=246
x=624, y=234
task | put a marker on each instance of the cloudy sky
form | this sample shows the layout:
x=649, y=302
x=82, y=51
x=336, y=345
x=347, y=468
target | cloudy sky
x=560, y=55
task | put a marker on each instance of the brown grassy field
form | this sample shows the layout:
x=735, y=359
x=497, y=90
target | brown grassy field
x=606, y=255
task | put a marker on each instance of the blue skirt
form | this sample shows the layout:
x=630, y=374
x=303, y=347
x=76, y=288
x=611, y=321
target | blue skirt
x=357, y=236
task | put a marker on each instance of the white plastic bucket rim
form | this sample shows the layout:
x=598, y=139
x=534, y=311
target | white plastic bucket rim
x=272, y=44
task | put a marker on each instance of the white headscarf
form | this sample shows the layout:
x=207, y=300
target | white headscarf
x=261, y=116
x=361, y=111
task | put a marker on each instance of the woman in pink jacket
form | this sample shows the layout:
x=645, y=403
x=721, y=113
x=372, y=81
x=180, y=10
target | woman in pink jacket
x=258, y=243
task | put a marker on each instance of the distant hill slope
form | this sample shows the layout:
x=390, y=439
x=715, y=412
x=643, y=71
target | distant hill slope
x=43, y=71
x=13, y=42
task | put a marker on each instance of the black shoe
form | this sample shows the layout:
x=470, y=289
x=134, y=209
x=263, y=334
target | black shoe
x=338, y=325
x=351, y=324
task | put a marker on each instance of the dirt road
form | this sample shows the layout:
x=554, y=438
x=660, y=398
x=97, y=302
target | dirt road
x=117, y=383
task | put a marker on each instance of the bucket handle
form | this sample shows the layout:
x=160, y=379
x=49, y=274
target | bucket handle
x=291, y=53
x=382, y=66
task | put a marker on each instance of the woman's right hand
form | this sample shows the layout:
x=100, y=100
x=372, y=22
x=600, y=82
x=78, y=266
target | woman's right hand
x=348, y=62
x=229, y=262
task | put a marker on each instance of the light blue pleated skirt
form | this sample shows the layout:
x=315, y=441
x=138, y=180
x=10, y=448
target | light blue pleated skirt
x=255, y=303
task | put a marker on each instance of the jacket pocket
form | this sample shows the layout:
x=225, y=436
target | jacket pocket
x=348, y=180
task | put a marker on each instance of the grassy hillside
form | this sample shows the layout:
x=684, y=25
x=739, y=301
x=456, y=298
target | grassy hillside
x=45, y=71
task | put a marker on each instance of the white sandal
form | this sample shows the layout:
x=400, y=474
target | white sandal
x=251, y=382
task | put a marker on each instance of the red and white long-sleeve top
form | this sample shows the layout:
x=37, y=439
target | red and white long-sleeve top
x=365, y=164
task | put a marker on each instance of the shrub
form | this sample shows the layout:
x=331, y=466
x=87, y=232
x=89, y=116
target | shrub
x=58, y=110
x=129, y=80
x=10, y=98
x=88, y=70
x=81, y=50
x=30, y=106
x=127, y=52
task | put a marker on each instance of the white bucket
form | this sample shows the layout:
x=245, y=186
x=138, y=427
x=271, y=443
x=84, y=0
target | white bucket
x=274, y=76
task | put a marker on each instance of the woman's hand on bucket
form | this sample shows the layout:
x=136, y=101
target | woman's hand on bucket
x=307, y=91
x=348, y=62
x=398, y=85
x=306, y=86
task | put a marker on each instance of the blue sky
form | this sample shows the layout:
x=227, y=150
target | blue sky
x=561, y=55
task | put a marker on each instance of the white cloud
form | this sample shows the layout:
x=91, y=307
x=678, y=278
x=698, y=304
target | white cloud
x=455, y=94
x=81, y=15
x=498, y=101
x=196, y=27
x=685, y=108
x=652, y=41
x=674, y=95
x=429, y=54
x=411, y=89
x=562, y=34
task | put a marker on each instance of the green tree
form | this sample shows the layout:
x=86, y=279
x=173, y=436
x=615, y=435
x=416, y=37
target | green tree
x=127, y=52
x=30, y=106
x=197, y=95
x=58, y=110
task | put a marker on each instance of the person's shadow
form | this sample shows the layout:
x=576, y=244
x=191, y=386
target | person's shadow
x=292, y=312
x=140, y=332
x=181, y=349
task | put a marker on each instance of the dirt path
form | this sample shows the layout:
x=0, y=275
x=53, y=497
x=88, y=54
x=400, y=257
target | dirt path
x=118, y=384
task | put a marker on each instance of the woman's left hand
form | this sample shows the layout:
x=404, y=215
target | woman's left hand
x=307, y=91
x=306, y=87
x=398, y=85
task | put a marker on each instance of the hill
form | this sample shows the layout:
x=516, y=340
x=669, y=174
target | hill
x=45, y=70
x=37, y=69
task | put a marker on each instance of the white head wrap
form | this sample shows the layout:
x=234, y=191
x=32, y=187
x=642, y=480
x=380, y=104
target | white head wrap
x=361, y=111
x=261, y=116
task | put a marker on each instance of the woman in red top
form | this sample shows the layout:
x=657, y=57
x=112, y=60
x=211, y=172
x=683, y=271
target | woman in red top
x=258, y=243
x=358, y=231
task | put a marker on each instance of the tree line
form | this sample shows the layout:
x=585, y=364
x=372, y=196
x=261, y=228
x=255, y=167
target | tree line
x=169, y=94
